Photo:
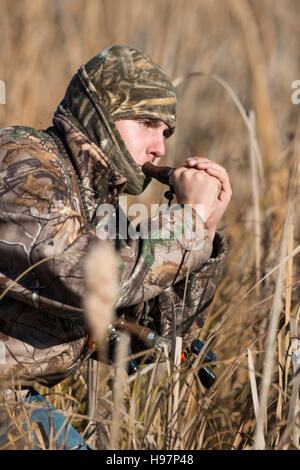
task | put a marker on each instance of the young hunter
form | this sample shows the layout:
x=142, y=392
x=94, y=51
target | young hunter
x=115, y=116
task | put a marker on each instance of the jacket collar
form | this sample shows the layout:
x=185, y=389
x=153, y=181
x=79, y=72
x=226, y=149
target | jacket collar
x=99, y=180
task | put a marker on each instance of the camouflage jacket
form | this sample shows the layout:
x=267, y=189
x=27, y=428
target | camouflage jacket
x=51, y=185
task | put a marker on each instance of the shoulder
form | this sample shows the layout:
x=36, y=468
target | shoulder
x=33, y=180
x=30, y=163
x=23, y=135
x=21, y=145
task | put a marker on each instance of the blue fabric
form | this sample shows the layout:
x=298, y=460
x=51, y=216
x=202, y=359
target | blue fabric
x=48, y=417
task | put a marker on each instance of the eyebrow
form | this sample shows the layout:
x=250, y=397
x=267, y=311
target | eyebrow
x=159, y=122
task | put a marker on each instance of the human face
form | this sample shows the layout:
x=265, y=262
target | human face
x=144, y=139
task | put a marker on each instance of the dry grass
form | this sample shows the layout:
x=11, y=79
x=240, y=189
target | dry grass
x=246, y=52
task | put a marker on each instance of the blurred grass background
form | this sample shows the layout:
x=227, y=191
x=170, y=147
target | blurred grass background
x=252, y=45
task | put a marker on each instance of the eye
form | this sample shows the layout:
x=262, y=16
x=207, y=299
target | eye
x=155, y=124
x=146, y=123
x=167, y=133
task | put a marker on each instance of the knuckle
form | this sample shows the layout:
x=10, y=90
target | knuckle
x=188, y=173
x=200, y=175
x=212, y=181
x=177, y=173
x=184, y=175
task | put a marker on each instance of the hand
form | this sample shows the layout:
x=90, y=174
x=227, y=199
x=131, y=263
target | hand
x=217, y=171
x=196, y=188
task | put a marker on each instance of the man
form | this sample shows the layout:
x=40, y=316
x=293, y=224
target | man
x=116, y=114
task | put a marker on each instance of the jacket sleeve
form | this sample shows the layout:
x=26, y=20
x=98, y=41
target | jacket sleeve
x=190, y=299
x=177, y=243
x=183, y=306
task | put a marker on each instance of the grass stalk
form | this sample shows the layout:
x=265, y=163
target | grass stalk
x=256, y=198
x=260, y=437
x=293, y=421
x=175, y=393
x=271, y=337
x=288, y=301
x=122, y=354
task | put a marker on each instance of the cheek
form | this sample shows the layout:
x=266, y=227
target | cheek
x=134, y=137
x=133, y=144
x=138, y=154
x=136, y=146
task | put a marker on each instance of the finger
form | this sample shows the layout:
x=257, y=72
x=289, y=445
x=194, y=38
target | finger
x=224, y=180
x=177, y=174
x=192, y=161
x=216, y=170
x=202, y=163
x=218, y=184
x=182, y=169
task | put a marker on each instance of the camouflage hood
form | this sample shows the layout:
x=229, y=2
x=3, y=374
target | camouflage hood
x=118, y=83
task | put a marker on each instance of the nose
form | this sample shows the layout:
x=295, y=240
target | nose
x=157, y=146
